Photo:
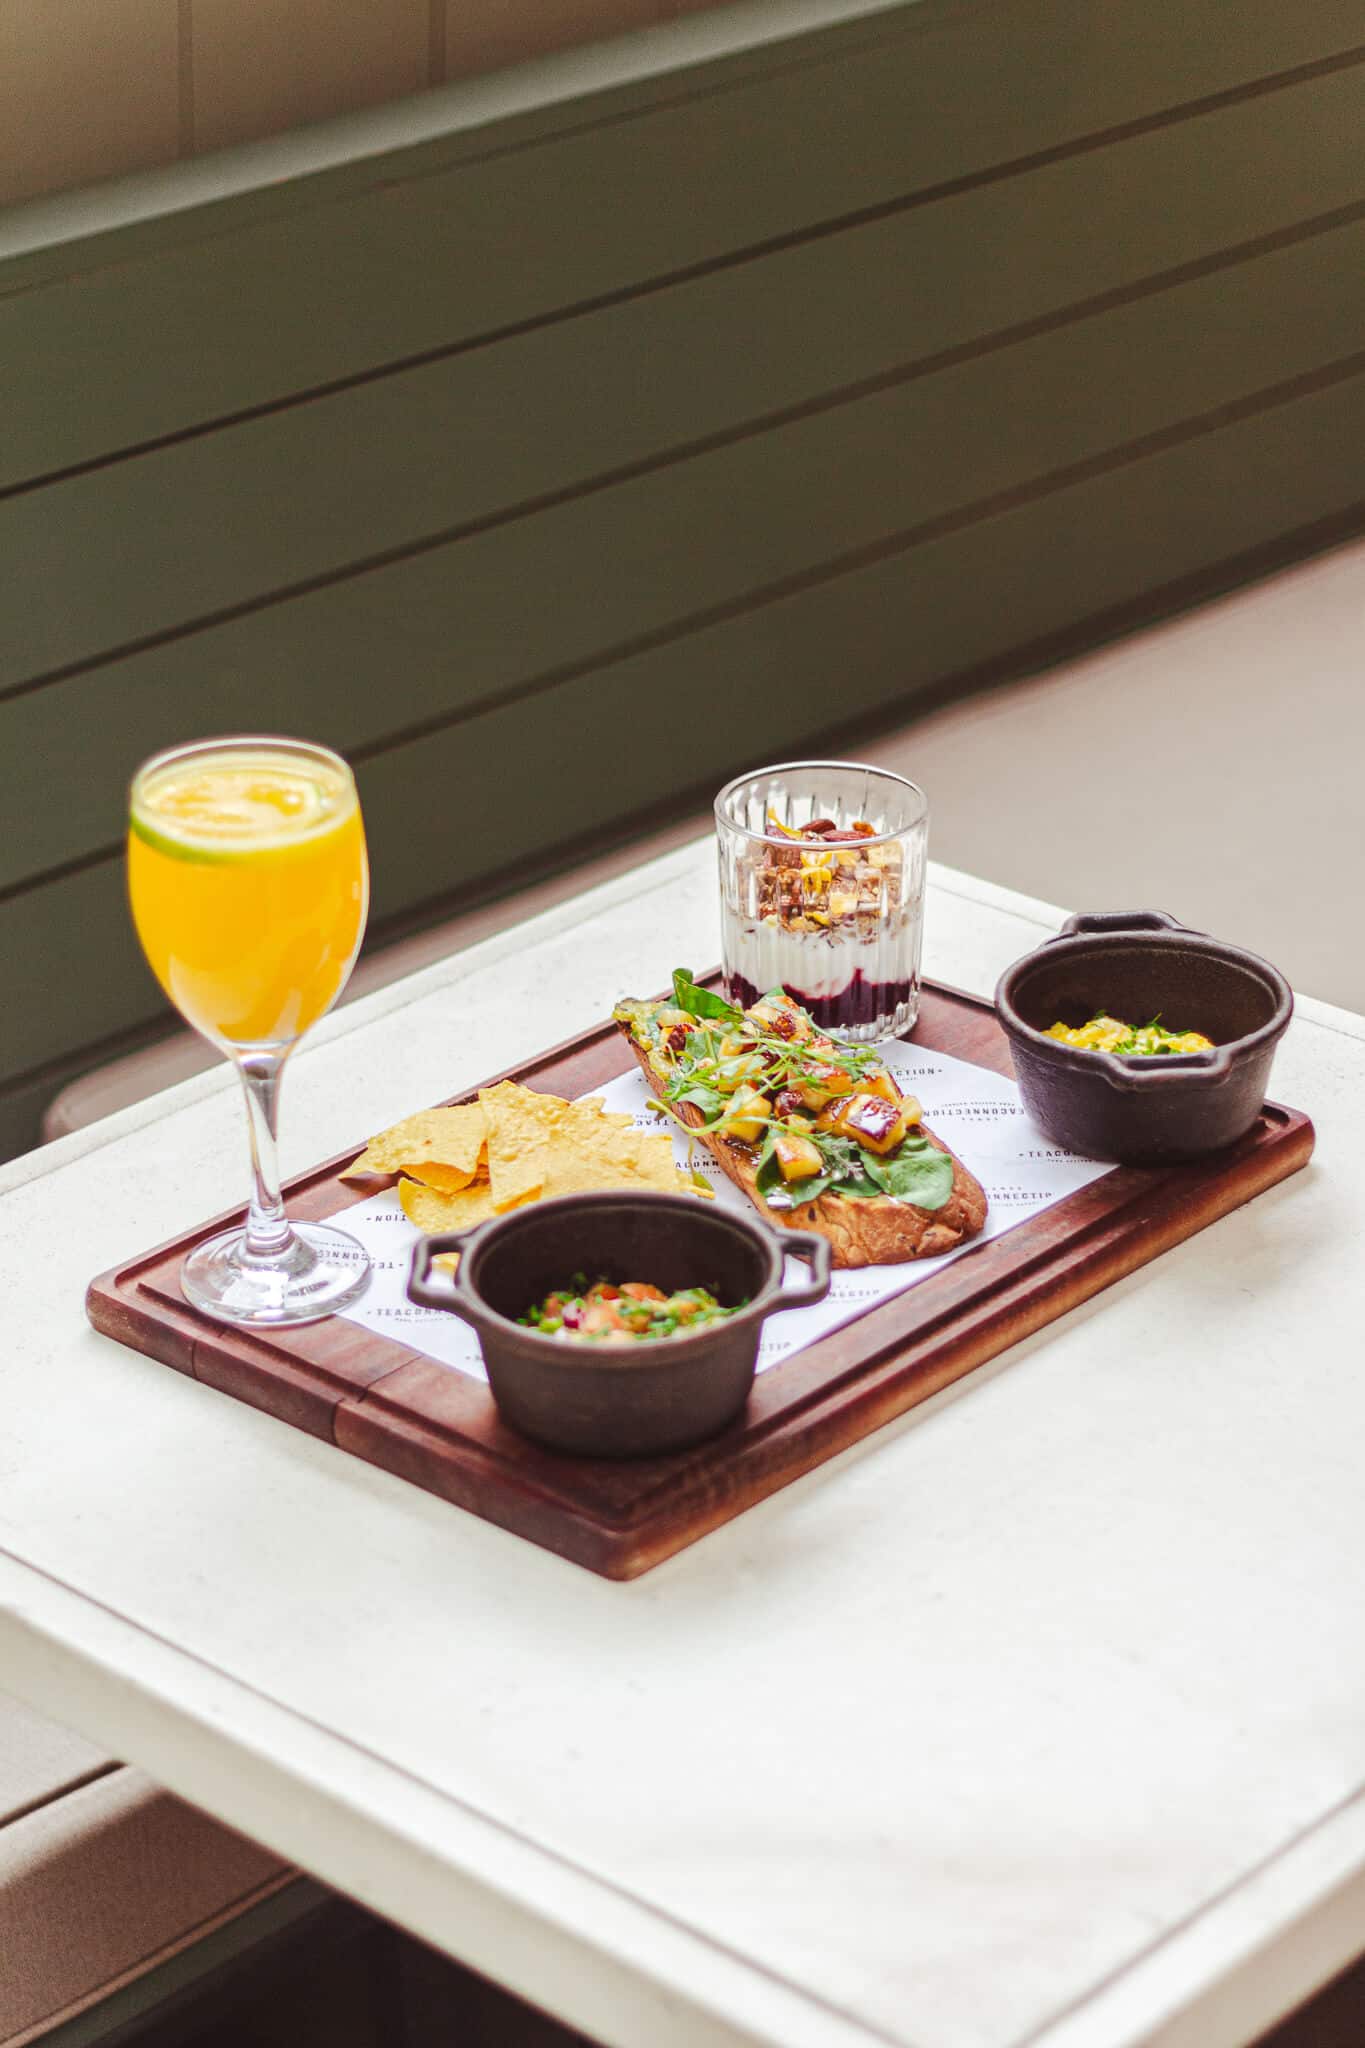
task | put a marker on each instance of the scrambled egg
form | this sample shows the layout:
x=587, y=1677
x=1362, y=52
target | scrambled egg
x=1111, y=1034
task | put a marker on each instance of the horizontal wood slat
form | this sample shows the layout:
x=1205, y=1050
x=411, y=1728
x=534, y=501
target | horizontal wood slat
x=443, y=811
x=219, y=521
x=502, y=611
x=869, y=643
x=118, y=337
x=23, y=1105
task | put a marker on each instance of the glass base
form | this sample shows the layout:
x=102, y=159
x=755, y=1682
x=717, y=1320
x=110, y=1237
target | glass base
x=318, y=1272
x=877, y=1030
x=863, y=1013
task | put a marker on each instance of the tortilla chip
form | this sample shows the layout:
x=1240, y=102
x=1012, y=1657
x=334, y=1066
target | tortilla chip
x=447, y=1179
x=536, y=1146
x=510, y=1107
x=659, y=1169
x=519, y=1125
x=581, y=1159
x=584, y=1122
x=447, y=1137
x=433, y=1211
x=364, y=1168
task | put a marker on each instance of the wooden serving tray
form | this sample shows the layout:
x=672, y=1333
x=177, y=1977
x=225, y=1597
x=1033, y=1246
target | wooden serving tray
x=439, y=1428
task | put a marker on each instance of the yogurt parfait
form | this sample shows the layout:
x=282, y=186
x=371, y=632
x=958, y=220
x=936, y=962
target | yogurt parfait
x=822, y=889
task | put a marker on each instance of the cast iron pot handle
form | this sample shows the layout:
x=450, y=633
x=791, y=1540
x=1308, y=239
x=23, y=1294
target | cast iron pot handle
x=804, y=1244
x=423, y=1288
x=1128, y=1075
x=1121, y=921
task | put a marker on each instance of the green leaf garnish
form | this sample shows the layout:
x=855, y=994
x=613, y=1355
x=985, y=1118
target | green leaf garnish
x=709, y=1101
x=915, y=1172
x=809, y=1190
x=701, y=1002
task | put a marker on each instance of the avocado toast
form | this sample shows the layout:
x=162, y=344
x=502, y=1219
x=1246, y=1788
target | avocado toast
x=816, y=1133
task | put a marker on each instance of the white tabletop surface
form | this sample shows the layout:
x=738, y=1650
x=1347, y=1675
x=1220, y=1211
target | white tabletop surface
x=1036, y=1718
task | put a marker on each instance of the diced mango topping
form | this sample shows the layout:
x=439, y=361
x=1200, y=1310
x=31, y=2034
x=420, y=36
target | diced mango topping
x=749, y=1111
x=878, y=1125
x=797, y=1158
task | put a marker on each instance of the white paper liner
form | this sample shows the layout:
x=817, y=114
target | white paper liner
x=975, y=1111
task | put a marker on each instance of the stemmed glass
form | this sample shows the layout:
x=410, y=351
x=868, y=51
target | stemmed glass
x=249, y=888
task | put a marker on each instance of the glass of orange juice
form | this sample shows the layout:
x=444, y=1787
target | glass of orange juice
x=249, y=887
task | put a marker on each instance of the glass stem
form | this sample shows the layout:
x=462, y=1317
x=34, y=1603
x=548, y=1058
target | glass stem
x=267, y=1227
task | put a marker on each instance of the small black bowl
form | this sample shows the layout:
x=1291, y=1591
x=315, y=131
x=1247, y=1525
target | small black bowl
x=606, y=1401
x=1143, y=1110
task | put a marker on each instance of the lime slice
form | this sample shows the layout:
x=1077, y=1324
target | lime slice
x=234, y=809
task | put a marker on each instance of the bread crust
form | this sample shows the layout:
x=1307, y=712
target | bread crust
x=881, y=1232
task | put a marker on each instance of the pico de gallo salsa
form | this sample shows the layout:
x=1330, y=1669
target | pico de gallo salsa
x=635, y=1312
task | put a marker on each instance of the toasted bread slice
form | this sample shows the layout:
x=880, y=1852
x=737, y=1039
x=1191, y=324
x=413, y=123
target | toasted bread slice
x=883, y=1232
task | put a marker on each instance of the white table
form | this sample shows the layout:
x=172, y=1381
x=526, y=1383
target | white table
x=1039, y=1717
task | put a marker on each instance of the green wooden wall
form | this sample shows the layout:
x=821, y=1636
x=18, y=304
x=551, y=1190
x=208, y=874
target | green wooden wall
x=560, y=443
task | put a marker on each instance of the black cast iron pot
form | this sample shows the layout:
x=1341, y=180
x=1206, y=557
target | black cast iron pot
x=1154, y=1109
x=600, y=1401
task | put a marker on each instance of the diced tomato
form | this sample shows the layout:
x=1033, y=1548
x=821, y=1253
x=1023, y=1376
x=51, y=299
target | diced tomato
x=603, y=1315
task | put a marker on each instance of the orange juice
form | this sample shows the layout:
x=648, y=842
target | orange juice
x=249, y=886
